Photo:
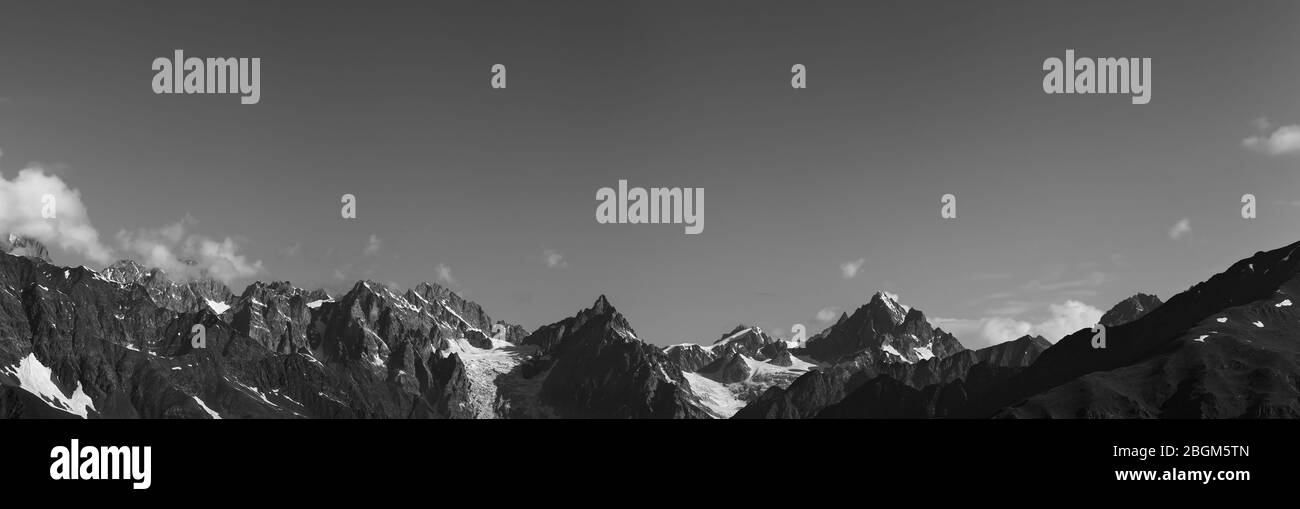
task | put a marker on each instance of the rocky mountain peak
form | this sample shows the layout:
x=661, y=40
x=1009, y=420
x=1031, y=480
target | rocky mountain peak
x=596, y=367
x=1130, y=309
x=886, y=331
x=602, y=306
x=126, y=272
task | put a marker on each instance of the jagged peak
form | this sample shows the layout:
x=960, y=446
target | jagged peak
x=1030, y=338
x=362, y=287
x=1143, y=299
x=740, y=329
x=427, y=289
x=602, y=306
x=424, y=286
x=277, y=287
x=881, y=302
x=890, y=299
x=1130, y=309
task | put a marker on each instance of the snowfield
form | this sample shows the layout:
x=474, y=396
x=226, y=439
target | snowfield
x=727, y=399
x=34, y=377
x=491, y=369
x=715, y=396
x=218, y=307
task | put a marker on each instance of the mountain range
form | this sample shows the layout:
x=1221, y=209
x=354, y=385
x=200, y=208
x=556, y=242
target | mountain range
x=76, y=342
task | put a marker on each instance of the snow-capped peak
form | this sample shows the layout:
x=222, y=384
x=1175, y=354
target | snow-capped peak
x=896, y=310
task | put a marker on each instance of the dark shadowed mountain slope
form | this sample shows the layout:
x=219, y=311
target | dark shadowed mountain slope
x=812, y=393
x=885, y=330
x=595, y=367
x=1226, y=347
x=938, y=389
x=881, y=337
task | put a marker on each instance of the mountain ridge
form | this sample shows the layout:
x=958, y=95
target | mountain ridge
x=85, y=343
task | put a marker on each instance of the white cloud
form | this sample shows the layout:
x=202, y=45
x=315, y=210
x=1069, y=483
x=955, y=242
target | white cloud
x=850, y=269
x=978, y=333
x=554, y=259
x=444, y=274
x=1181, y=229
x=21, y=204
x=1065, y=319
x=827, y=315
x=187, y=255
x=373, y=245
x=1284, y=140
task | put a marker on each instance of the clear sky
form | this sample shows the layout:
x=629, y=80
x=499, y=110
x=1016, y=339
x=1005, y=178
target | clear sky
x=1065, y=204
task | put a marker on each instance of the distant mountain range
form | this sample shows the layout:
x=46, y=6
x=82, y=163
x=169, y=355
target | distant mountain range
x=116, y=343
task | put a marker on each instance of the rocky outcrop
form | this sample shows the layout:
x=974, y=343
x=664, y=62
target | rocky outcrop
x=1130, y=309
x=595, y=367
x=885, y=331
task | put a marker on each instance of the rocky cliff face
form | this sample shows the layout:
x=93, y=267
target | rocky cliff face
x=118, y=344
x=594, y=366
x=885, y=331
x=75, y=342
x=176, y=295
